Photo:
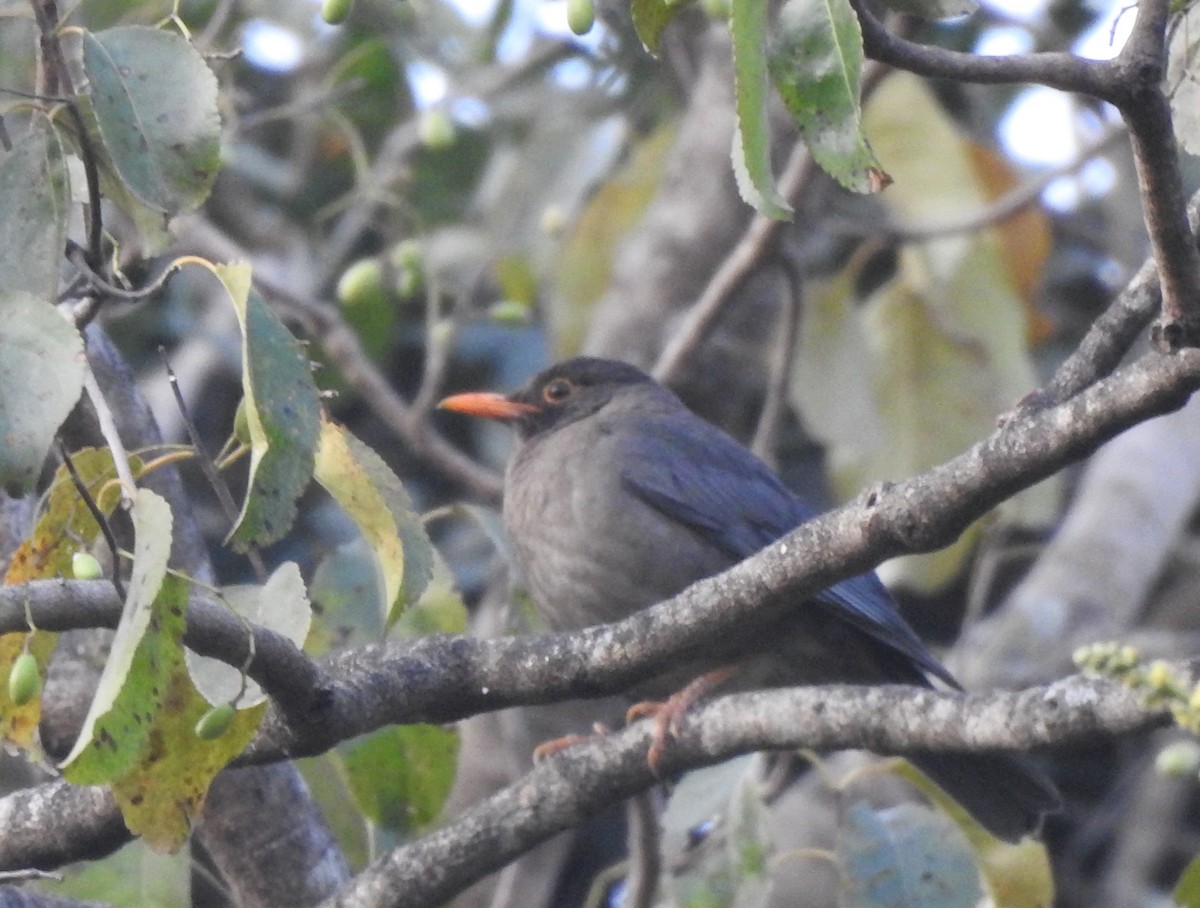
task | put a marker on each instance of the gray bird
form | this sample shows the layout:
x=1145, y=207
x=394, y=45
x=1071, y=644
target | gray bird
x=619, y=497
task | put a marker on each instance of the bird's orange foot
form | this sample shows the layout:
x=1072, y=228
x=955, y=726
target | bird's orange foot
x=668, y=714
x=554, y=745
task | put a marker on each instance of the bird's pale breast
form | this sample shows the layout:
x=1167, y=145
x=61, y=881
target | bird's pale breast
x=584, y=560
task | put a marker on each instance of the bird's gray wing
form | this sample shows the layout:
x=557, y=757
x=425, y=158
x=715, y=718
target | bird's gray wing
x=702, y=478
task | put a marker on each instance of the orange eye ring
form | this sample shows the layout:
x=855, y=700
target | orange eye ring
x=557, y=390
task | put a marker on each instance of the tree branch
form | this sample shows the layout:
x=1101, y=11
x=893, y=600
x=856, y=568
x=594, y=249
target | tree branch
x=445, y=678
x=583, y=779
x=1060, y=70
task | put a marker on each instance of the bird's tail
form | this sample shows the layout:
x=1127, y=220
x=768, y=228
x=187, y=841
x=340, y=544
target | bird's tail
x=1008, y=795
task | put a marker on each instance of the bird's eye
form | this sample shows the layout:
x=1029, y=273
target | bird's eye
x=557, y=390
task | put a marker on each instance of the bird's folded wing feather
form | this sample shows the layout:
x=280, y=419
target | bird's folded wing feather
x=704, y=479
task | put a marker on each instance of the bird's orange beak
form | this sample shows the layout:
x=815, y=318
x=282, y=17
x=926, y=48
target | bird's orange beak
x=487, y=405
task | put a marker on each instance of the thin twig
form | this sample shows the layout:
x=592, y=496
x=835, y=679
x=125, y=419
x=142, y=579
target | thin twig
x=745, y=256
x=110, y=538
x=1147, y=112
x=780, y=368
x=342, y=346
x=734, y=269
x=1002, y=209
x=645, y=853
x=78, y=257
x=208, y=466
x=1055, y=69
x=54, y=78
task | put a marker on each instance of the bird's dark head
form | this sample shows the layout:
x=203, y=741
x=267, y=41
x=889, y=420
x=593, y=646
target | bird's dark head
x=555, y=397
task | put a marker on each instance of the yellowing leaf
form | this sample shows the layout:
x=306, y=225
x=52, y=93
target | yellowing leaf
x=66, y=525
x=376, y=501
x=163, y=792
x=139, y=733
x=147, y=641
x=19, y=722
x=918, y=370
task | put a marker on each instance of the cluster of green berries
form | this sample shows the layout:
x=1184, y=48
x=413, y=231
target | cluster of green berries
x=1161, y=686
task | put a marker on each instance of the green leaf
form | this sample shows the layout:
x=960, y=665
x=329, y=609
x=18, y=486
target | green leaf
x=440, y=610
x=401, y=776
x=34, y=194
x=280, y=605
x=162, y=793
x=1015, y=875
x=377, y=502
x=650, y=17
x=134, y=679
x=905, y=857
x=752, y=138
x=150, y=221
x=1187, y=890
x=34, y=341
x=155, y=101
x=816, y=61
x=283, y=411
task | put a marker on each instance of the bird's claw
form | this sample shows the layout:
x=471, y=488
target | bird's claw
x=555, y=745
x=669, y=714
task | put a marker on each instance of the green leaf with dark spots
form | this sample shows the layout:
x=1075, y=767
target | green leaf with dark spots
x=155, y=101
x=816, y=62
x=146, y=648
x=283, y=412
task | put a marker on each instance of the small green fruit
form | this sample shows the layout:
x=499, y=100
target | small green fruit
x=406, y=259
x=436, y=129
x=581, y=15
x=1178, y=759
x=84, y=566
x=335, y=11
x=509, y=312
x=24, y=679
x=361, y=284
x=215, y=722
